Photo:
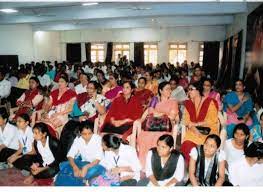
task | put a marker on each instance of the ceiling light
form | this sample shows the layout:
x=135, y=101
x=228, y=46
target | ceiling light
x=89, y=4
x=8, y=10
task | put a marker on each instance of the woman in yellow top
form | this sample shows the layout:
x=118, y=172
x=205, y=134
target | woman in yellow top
x=152, y=84
x=200, y=119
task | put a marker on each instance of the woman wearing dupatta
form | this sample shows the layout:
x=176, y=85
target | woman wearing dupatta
x=30, y=100
x=238, y=105
x=61, y=104
x=199, y=112
x=124, y=110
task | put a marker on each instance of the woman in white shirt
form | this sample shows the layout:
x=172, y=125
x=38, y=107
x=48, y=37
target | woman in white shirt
x=84, y=156
x=234, y=148
x=207, y=163
x=121, y=160
x=164, y=165
x=24, y=156
x=45, y=147
x=8, y=136
x=248, y=170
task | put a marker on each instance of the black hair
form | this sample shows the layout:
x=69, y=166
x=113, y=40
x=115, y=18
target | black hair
x=42, y=127
x=35, y=79
x=112, y=141
x=145, y=80
x=86, y=125
x=211, y=81
x=115, y=75
x=261, y=116
x=255, y=149
x=64, y=76
x=199, y=87
x=245, y=129
x=216, y=138
x=96, y=84
x=3, y=113
x=87, y=76
x=161, y=86
x=25, y=117
x=175, y=78
x=130, y=83
x=168, y=139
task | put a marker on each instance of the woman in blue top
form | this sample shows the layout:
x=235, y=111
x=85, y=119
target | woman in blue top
x=238, y=105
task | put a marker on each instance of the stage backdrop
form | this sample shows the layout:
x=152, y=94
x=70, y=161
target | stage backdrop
x=253, y=73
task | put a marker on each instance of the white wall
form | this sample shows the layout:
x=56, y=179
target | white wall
x=28, y=45
x=47, y=46
x=17, y=40
x=191, y=35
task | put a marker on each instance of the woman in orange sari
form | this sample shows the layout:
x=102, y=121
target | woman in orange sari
x=151, y=84
x=199, y=116
x=60, y=104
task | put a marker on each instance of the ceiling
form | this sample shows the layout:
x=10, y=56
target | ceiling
x=72, y=15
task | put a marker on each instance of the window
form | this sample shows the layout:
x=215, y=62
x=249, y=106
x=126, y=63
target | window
x=123, y=49
x=201, y=53
x=97, y=53
x=177, y=52
x=150, y=53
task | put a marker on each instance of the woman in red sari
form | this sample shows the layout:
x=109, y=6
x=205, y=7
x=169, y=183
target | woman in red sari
x=60, y=104
x=30, y=100
x=200, y=112
x=144, y=94
x=124, y=110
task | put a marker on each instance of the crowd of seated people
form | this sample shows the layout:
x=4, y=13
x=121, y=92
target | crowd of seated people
x=120, y=124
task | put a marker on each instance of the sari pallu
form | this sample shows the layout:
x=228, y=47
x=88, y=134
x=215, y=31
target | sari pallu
x=144, y=96
x=59, y=105
x=121, y=109
x=232, y=117
x=29, y=96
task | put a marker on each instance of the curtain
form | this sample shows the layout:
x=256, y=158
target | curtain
x=74, y=52
x=88, y=52
x=139, y=54
x=237, y=47
x=220, y=77
x=109, y=53
x=211, y=58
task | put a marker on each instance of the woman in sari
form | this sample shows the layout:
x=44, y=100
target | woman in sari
x=60, y=105
x=144, y=94
x=200, y=118
x=95, y=105
x=30, y=100
x=162, y=107
x=209, y=92
x=238, y=105
x=114, y=88
x=124, y=110
x=151, y=84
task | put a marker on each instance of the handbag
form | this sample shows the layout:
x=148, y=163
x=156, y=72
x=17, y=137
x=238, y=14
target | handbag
x=161, y=123
x=203, y=130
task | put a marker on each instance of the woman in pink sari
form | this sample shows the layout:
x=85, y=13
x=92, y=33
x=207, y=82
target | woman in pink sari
x=60, y=104
x=114, y=88
x=161, y=106
x=209, y=92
